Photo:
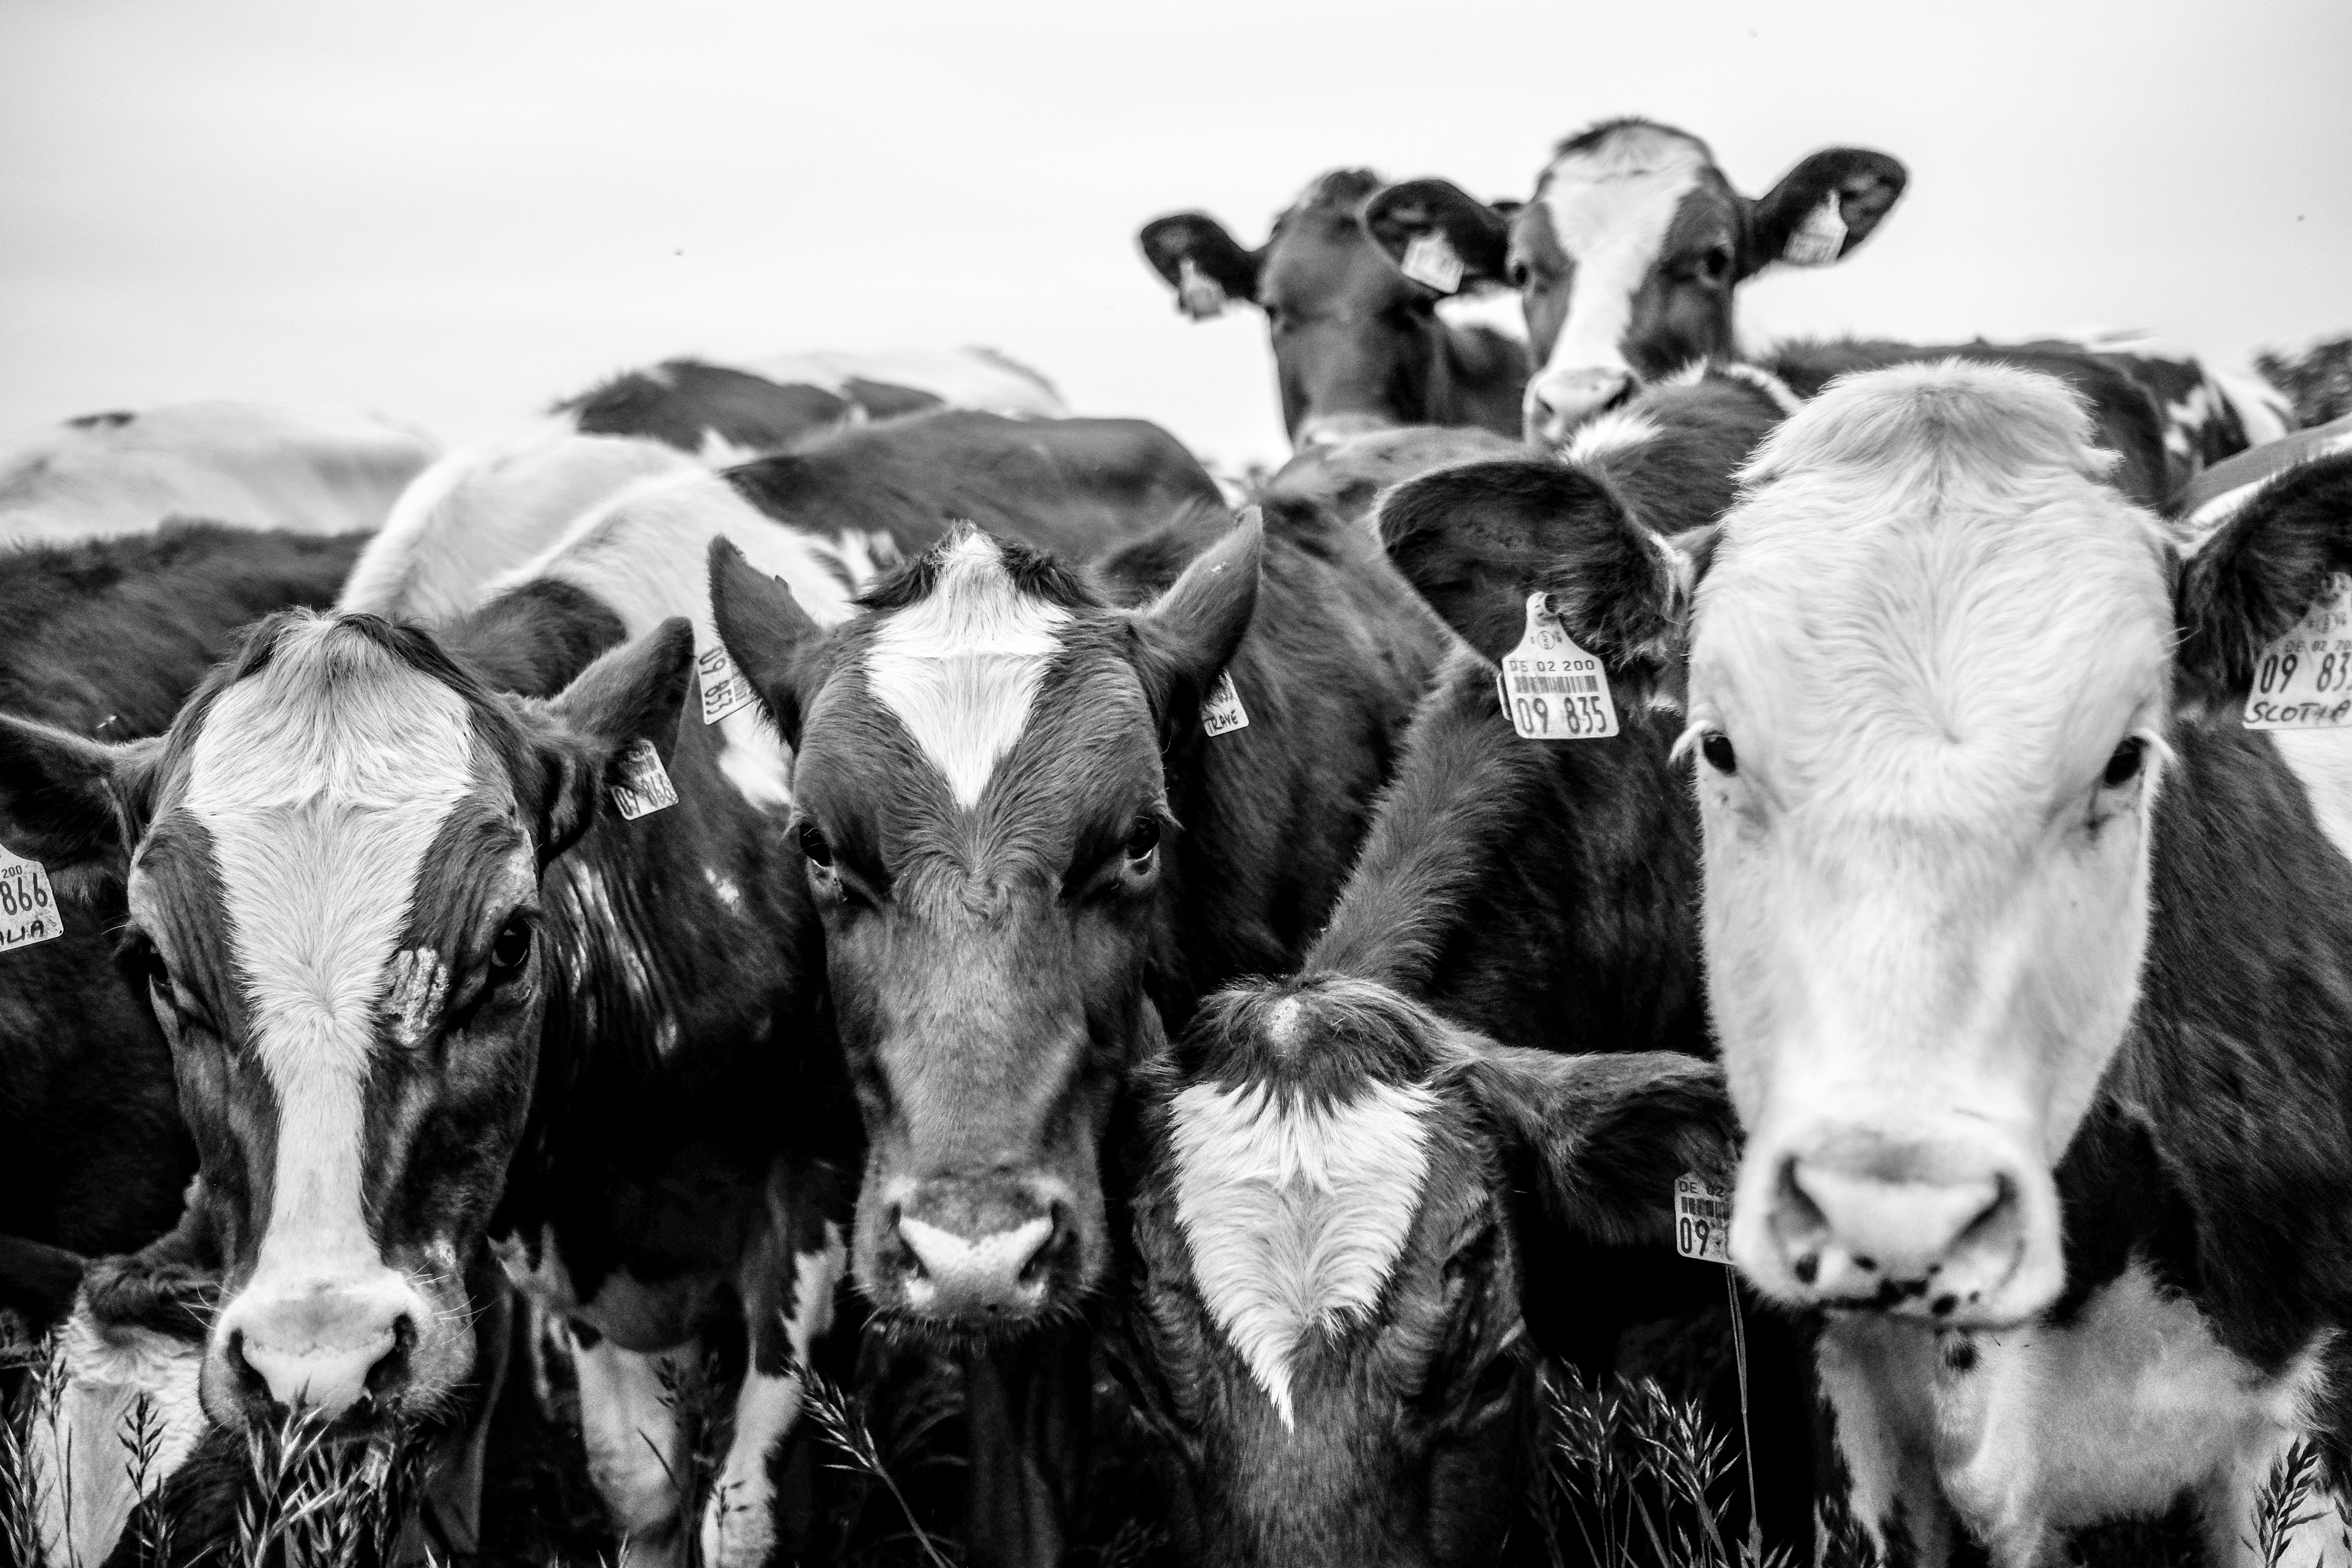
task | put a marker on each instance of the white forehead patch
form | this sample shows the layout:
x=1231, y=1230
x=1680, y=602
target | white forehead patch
x=322, y=780
x=1295, y=1214
x=1618, y=431
x=961, y=668
x=1610, y=208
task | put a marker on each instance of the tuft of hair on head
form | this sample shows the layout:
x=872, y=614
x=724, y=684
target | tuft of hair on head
x=1629, y=144
x=1924, y=422
x=1340, y=190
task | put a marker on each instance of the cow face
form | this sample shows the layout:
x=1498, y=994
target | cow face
x=1626, y=259
x=1324, y=1316
x=1929, y=681
x=1357, y=346
x=332, y=868
x=985, y=821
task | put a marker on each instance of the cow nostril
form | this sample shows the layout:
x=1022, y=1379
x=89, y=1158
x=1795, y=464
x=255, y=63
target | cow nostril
x=391, y=1369
x=251, y=1383
x=1058, y=1229
x=1798, y=1211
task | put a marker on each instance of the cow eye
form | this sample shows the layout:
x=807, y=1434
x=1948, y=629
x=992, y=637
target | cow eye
x=511, y=948
x=1716, y=264
x=813, y=846
x=1717, y=749
x=1519, y=273
x=1142, y=839
x=2124, y=765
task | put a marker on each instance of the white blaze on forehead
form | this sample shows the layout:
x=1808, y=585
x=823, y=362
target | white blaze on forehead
x=322, y=781
x=1295, y=1213
x=962, y=666
x=1610, y=208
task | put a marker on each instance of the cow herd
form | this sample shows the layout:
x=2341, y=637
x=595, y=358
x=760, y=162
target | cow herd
x=838, y=849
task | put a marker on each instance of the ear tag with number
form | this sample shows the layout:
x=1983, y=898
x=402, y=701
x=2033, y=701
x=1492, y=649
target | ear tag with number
x=1197, y=295
x=1702, y=1220
x=2302, y=680
x=1820, y=238
x=1429, y=259
x=1222, y=713
x=28, y=905
x=645, y=787
x=1553, y=689
x=724, y=689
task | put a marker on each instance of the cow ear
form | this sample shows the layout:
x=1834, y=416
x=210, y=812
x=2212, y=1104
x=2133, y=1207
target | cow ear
x=72, y=805
x=1205, y=266
x=1602, y=1137
x=770, y=638
x=1477, y=235
x=633, y=693
x=1478, y=539
x=1864, y=184
x=2257, y=575
x=1185, y=638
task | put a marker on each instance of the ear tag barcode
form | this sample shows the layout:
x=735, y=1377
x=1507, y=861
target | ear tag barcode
x=724, y=689
x=1429, y=259
x=1702, y=1220
x=2302, y=680
x=1222, y=713
x=1817, y=239
x=1553, y=689
x=645, y=787
x=28, y=905
x=1199, y=295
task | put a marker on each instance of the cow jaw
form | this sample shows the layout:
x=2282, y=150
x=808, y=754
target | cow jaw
x=1924, y=638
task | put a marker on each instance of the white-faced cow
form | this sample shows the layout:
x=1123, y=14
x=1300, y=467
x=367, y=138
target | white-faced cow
x=241, y=465
x=427, y=978
x=2031, y=970
x=1030, y=847
x=1357, y=346
x=1628, y=255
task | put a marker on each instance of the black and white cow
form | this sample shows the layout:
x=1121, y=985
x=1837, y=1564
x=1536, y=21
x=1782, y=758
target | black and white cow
x=1540, y=895
x=2032, y=969
x=1030, y=847
x=491, y=506
x=425, y=982
x=1356, y=346
x=2209, y=416
x=241, y=465
x=1627, y=257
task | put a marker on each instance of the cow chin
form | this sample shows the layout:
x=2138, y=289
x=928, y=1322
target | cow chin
x=364, y=1353
x=967, y=1258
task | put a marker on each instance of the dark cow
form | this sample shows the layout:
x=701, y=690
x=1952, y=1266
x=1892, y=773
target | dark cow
x=1356, y=346
x=1031, y=844
x=2208, y=417
x=240, y=465
x=1627, y=257
x=1544, y=896
x=2032, y=967
x=1350, y=476
x=437, y=961
x=2217, y=494
x=106, y=638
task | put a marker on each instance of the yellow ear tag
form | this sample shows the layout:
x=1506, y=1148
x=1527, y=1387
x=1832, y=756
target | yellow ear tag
x=645, y=787
x=2302, y=680
x=1197, y=295
x=1429, y=259
x=1702, y=1220
x=724, y=689
x=28, y=905
x=1222, y=713
x=1553, y=689
x=1820, y=238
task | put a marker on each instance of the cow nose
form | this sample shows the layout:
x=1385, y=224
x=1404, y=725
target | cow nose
x=1863, y=1237
x=1558, y=402
x=967, y=1252
x=323, y=1346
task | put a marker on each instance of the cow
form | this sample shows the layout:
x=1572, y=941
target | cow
x=1627, y=257
x=1033, y=846
x=2030, y=970
x=240, y=465
x=1356, y=346
x=495, y=504
x=438, y=963
x=2208, y=415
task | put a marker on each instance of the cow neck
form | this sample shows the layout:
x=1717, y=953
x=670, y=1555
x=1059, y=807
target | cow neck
x=2230, y=1103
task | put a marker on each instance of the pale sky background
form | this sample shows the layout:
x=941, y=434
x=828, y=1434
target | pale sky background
x=453, y=211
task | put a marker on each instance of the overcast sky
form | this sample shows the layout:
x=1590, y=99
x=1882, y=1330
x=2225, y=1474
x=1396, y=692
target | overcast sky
x=453, y=211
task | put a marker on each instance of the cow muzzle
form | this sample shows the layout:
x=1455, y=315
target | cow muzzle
x=982, y=1253
x=1959, y=1233
x=1560, y=401
x=320, y=1344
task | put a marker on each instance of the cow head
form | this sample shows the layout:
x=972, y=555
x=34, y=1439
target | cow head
x=1627, y=257
x=1935, y=662
x=1324, y=1316
x=984, y=820
x=333, y=863
x=1357, y=346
